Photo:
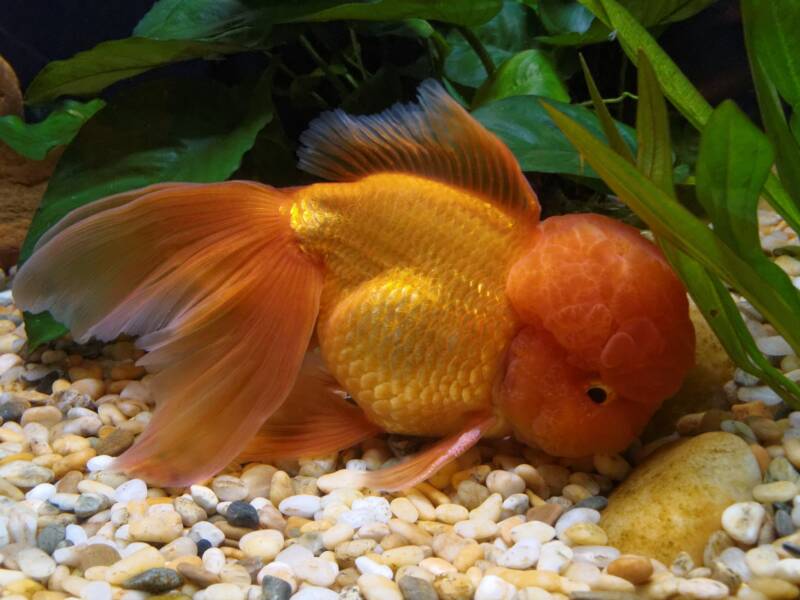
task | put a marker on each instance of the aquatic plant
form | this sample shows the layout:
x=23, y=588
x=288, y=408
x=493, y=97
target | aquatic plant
x=733, y=169
x=207, y=91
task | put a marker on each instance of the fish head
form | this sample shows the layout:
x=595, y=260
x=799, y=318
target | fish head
x=605, y=338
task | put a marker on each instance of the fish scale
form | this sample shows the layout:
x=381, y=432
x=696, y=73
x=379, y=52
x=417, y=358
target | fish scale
x=415, y=331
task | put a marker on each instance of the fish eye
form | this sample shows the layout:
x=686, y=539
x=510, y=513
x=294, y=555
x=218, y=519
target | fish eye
x=597, y=394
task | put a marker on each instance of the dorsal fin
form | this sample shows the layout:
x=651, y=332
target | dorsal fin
x=436, y=138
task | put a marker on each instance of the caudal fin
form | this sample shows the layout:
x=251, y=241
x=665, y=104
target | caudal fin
x=212, y=279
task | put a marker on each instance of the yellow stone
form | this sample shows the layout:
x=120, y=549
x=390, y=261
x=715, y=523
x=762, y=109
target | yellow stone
x=586, y=534
x=24, y=587
x=674, y=500
x=546, y=580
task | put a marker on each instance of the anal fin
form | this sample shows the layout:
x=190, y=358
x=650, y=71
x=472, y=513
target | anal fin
x=315, y=419
x=417, y=468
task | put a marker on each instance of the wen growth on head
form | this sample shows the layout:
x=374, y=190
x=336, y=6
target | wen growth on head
x=441, y=305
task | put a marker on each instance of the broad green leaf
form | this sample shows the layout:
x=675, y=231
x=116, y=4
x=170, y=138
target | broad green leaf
x=565, y=16
x=527, y=129
x=147, y=136
x=734, y=160
x=654, y=156
x=601, y=110
x=530, y=72
x=503, y=36
x=680, y=91
x=35, y=140
x=776, y=43
x=673, y=223
x=93, y=70
x=247, y=21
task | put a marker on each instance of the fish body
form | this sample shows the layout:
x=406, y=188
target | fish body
x=421, y=284
x=414, y=323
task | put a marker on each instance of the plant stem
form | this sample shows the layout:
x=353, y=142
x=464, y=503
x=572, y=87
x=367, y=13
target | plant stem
x=323, y=65
x=616, y=100
x=479, y=49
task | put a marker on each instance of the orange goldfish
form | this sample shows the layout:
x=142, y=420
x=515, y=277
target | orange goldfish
x=422, y=284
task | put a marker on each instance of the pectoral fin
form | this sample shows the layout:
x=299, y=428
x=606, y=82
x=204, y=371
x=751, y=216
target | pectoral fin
x=415, y=469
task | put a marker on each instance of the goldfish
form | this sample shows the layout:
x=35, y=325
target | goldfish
x=416, y=292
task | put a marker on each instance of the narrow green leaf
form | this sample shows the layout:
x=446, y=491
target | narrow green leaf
x=614, y=139
x=680, y=91
x=721, y=313
x=148, y=136
x=530, y=72
x=654, y=157
x=526, y=128
x=35, y=140
x=93, y=70
x=672, y=222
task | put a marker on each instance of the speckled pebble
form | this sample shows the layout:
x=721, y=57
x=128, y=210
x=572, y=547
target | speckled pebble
x=154, y=581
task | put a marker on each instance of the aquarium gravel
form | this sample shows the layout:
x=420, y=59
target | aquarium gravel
x=503, y=522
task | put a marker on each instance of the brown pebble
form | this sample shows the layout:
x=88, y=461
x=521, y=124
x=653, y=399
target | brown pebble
x=547, y=513
x=712, y=420
x=198, y=575
x=762, y=457
x=116, y=443
x=750, y=409
x=69, y=482
x=634, y=568
x=97, y=555
x=766, y=430
x=773, y=588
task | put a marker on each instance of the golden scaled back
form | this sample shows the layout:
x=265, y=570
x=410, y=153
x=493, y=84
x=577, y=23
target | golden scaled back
x=414, y=320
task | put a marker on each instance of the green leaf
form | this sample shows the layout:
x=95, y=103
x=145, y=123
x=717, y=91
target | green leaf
x=565, y=16
x=614, y=138
x=527, y=129
x=35, y=140
x=503, y=36
x=673, y=223
x=530, y=72
x=680, y=91
x=93, y=70
x=247, y=22
x=772, y=113
x=734, y=160
x=776, y=43
x=721, y=313
x=148, y=136
x=654, y=157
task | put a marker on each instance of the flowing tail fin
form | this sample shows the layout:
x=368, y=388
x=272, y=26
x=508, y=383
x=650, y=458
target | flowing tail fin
x=212, y=279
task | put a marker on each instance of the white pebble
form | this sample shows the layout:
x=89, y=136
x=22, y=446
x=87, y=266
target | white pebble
x=97, y=590
x=294, y=555
x=576, y=515
x=204, y=497
x=762, y=561
x=207, y=531
x=317, y=571
x=301, y=505
x=773, y=345
x=213, y=560
x=264, y=544
x=223, y=591
x=43, y=491
x=477, y=529
x=280, y=570
x=536, y=530
x=554, y=556
x=35, y=563
x=135, y=489
x=367, y=566
x=702, y=588
x=760, y=393
x=99, y=463
x=743, y=520
x=788, y=568
x=312, y=592
x=76, y=534
x=600, y=556
x=522, y=555
x=492, y=587
x=367, y=510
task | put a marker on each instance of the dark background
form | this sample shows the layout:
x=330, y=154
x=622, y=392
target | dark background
x=708, y=47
